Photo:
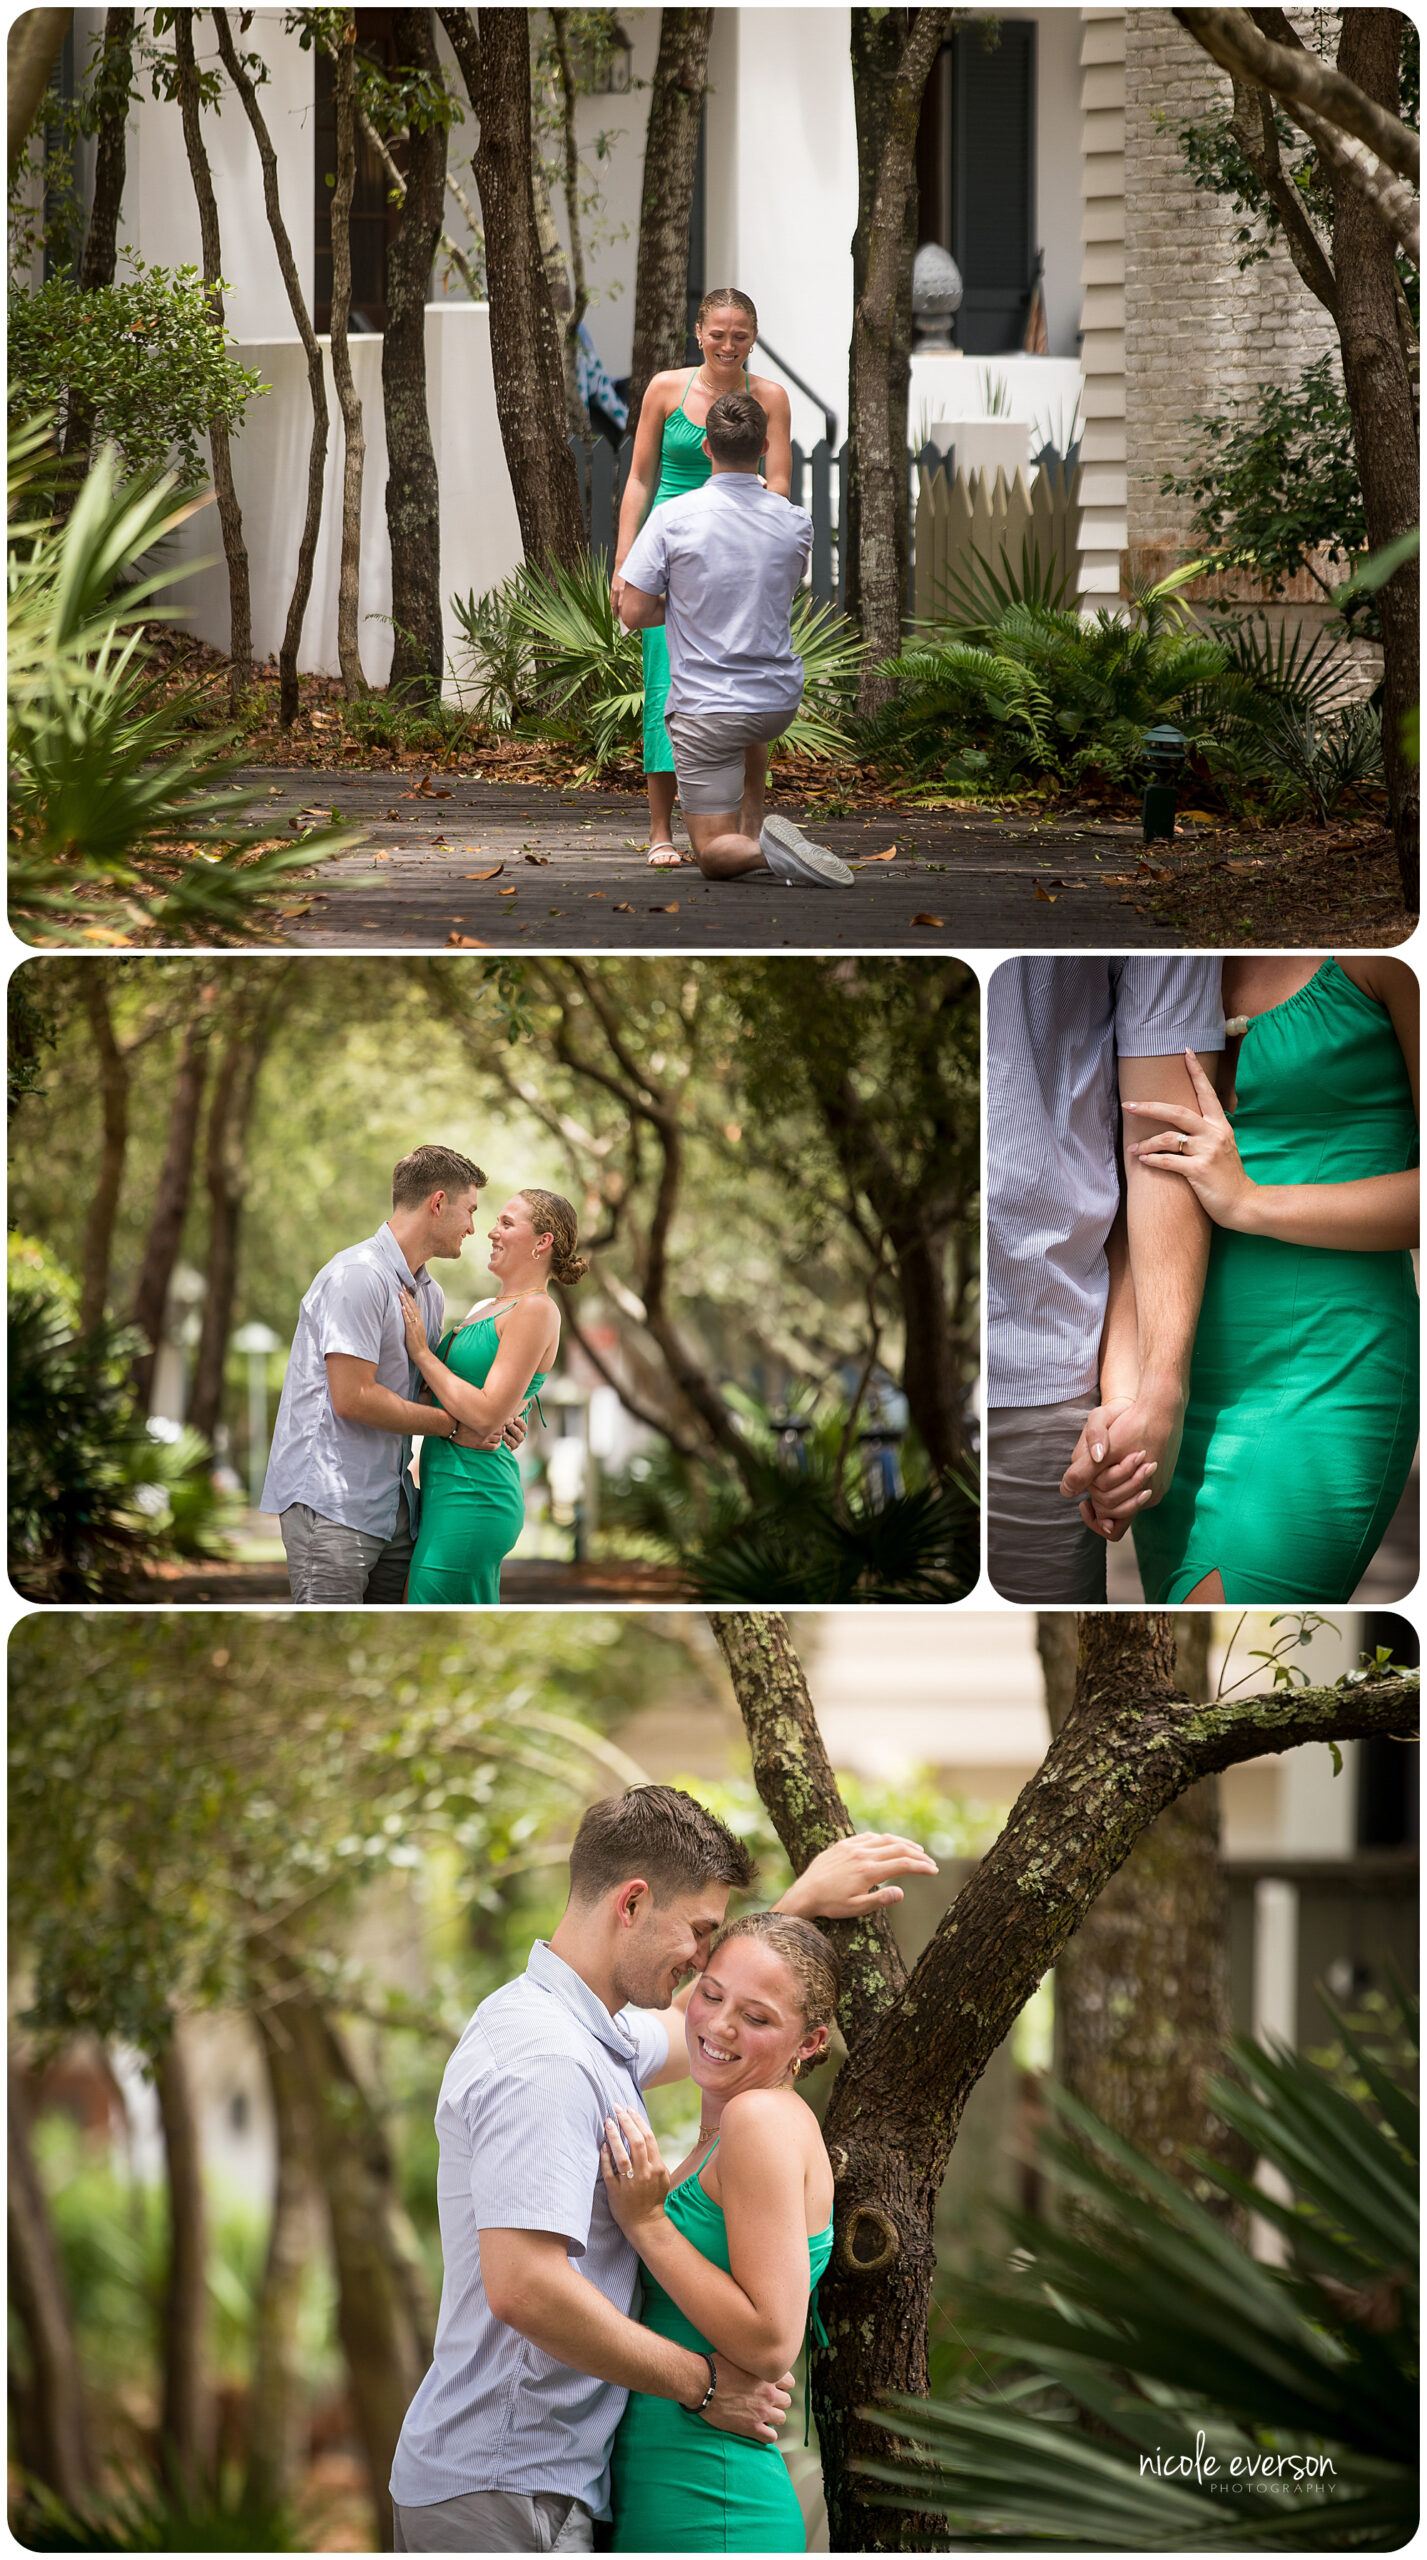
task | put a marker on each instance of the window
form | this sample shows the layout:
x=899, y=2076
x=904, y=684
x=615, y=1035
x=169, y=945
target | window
x=373, y=218
x=976, y=174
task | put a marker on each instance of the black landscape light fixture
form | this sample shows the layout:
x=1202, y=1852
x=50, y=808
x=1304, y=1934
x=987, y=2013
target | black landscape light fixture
x=1166, y=753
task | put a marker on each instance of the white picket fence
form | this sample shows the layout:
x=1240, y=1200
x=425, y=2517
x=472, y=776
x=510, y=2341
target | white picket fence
x=966, y=515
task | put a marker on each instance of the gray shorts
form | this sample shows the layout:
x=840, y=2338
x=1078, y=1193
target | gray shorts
x=326, y=1561
x=1038, y=1549
x=708, y=755
x=495, y=2520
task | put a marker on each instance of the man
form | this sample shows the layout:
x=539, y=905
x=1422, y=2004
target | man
x=506, y=2445
x=720, y=568
x=337, y=1469
x=1093, y=1296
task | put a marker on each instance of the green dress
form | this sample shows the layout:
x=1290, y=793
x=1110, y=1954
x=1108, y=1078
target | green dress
x=1303, y=1394
x=678, y=2484
x=472, y=1501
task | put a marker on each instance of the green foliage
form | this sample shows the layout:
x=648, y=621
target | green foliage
x=1023, y=687
x=813, y=1536
x=1274, y=481
x=142, y=356
x=1137, y=2331
x=1294, y=736
x=33, y=1028
x=150, y=2514
x=119, y=822
x=90, y=1490
x=548, y=657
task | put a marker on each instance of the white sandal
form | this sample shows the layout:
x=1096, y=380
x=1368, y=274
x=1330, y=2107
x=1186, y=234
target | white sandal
x=663, y=857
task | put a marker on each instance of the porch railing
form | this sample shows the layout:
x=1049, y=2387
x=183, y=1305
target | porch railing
x=953, y=514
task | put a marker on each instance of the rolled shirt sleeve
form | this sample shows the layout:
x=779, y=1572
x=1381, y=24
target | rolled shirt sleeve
x=535, y=2150
x=354, y=1305
x=1164, y=1006
x=646, y=563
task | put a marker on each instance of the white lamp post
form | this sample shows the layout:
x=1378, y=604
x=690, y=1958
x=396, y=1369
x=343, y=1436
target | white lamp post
x=255, y=1341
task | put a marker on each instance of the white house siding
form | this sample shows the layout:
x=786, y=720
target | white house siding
x=1103, y=524
x=1197, y=332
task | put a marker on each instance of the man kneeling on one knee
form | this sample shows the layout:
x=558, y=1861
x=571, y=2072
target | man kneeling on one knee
x=720, y=569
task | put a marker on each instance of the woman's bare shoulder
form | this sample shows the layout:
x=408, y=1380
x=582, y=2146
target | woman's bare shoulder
x=771, y=393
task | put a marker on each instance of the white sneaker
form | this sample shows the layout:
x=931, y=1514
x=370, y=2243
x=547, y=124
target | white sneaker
x=790, y=856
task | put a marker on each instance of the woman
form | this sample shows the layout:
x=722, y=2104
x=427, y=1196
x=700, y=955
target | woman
x=484, y=1372
x=734, y=2244
x=669, y=452
x=1303, y=1395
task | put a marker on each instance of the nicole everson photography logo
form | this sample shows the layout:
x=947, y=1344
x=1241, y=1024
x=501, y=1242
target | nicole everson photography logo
x=1241, y=2470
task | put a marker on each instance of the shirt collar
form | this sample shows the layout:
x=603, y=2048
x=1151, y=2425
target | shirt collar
x=387, y=1245
x=560, y=1979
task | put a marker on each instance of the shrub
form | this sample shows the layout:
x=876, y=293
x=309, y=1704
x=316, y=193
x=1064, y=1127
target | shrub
x=118, y=820
x=1019, y=685
x=142, y=358
x=547, y=657
x=1274, y=482
x=91, y=1490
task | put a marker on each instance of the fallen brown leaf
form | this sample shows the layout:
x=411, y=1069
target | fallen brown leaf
x=622, y=907
x=506, y=893
x=464, y=942
x=672, y=909
x=889, y=856
x=484, y=875
x=537, y=857
x=926, y=919
x=1043, y=894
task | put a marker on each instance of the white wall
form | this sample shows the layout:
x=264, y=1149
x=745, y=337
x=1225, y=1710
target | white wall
x=480, y=537
x=160, y=222
x=782, y=188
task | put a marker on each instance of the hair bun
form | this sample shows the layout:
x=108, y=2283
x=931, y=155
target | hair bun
x=570, y=1268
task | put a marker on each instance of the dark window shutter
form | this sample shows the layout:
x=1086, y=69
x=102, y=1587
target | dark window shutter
x=993, y=183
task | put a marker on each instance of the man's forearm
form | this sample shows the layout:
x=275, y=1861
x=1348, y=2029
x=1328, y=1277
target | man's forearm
x=570, y=2321
x=382, y=1409
x=1168, y=1257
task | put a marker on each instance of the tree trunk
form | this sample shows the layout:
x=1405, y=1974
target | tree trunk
x=1129, y=1747
x=316, y=383
x=170, y=1206
x=384, y=2316
x=930, y=1377
x=879, y=419
x=577, y=415
x=661, y=279
x=276, y=2421
x=525, y=346
x=878, y=40
x=53, y=2427
x=557, y=285
x=185, y=2429
x=1379, y=390
x=230, y=514
x=113, y=79
x=413, y=502
x=32, y=48
x=230, y=1114
x=103, y=1208
x=354, y=442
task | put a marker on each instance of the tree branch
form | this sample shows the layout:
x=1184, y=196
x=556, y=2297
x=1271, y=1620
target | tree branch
x=795, y=1780
x=1130, y=1745
x=1252, y=127
x=1302, y=80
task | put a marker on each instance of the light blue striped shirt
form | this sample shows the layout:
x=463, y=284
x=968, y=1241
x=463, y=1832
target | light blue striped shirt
x=347, y=1471
x=1054, y=1032
x=519, y=2121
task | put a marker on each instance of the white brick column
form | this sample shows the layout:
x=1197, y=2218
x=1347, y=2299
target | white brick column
x=1103, y=493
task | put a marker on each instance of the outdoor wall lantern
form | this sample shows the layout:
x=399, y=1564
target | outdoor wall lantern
x=1166, y=752
x=603, y=61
